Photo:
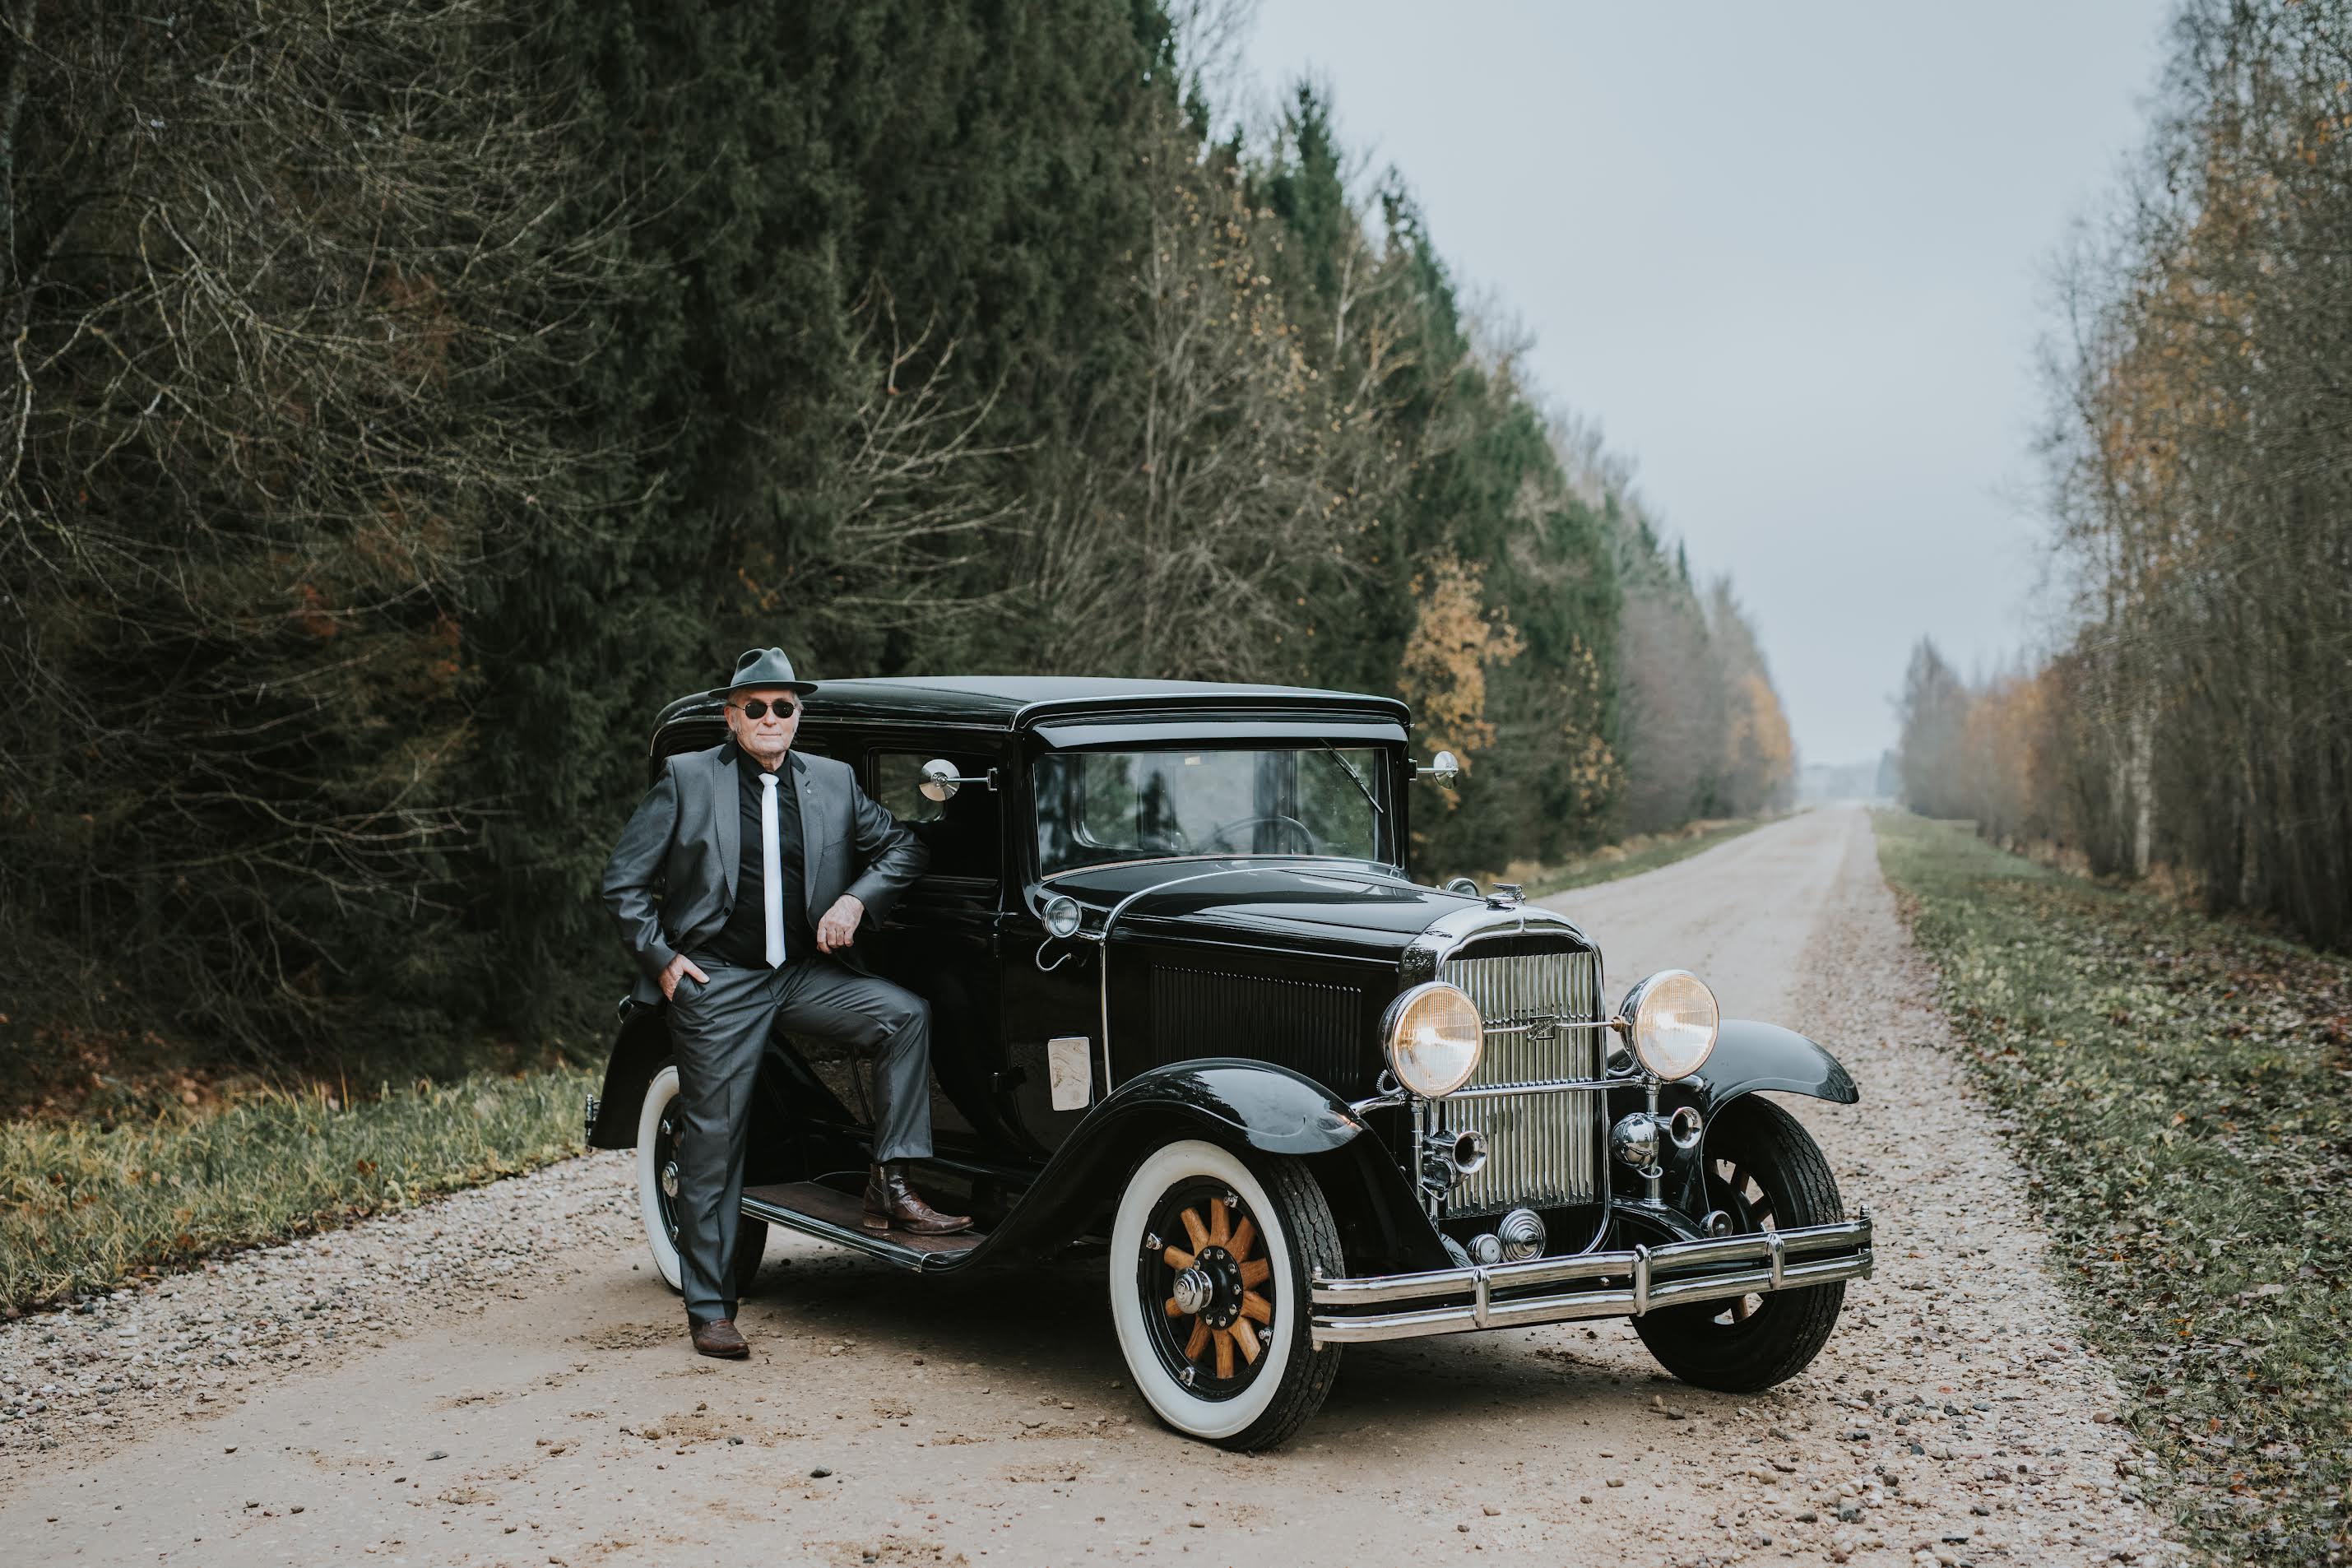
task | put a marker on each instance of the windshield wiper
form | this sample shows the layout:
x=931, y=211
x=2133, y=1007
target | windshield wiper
x=1350, y=768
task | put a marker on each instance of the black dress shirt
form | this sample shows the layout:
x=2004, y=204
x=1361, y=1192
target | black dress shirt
x=743, y=939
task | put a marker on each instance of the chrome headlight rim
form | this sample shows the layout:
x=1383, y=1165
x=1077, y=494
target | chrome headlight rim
x=1646, y=1049
x=1392, y=1022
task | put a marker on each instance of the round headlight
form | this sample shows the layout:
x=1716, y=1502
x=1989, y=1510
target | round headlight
x=1435, y=1036
x=1672, y=1018
x=1061, y=915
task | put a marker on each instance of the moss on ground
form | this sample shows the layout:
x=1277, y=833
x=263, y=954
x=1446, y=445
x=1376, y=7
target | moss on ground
x=86, y=1205
x=2181, y=1087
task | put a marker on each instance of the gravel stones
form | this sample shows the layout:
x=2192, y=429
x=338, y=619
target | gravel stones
x=189, y=1343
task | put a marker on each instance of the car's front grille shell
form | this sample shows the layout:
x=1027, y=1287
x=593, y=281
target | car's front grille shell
x=1543, y=1148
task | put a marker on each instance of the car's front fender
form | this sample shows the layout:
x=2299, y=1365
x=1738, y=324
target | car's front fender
x=1749, y=1058
x=1243, y=1105
x=1266, y=1106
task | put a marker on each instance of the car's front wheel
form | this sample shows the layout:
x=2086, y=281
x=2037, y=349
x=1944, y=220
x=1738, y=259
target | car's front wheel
x=1211, y=1261
x=660, y=1127
x=1766, y=1172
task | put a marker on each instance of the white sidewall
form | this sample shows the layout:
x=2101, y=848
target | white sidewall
x=1178, y=1406
x=658, y=1095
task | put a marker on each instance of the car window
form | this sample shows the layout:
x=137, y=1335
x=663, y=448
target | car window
x=964, y=833
x=1099, y=806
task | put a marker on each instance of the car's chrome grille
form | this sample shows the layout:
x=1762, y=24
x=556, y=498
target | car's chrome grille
x=1542, y=1148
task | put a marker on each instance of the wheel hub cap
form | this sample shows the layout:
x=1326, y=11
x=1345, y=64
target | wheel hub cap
x=1195, y=1290
x=669, y=1179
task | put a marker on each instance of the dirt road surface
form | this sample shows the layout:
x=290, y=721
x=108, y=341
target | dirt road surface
x=497, y=1379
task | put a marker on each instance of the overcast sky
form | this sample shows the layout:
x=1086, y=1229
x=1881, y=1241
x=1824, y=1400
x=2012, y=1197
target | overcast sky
x=1793, y=257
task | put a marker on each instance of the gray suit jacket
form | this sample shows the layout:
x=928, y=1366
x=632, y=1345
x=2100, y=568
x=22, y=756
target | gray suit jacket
x=671, y=880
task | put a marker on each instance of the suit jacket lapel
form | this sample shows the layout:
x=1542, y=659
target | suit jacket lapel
x=727, y=807
x=814, y=844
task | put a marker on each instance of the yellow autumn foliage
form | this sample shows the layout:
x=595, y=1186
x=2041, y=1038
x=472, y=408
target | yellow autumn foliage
x=1456, y=639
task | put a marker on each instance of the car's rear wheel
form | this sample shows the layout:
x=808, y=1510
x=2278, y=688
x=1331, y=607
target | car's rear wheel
x=1211, y=1260
x=660, y=1127
x=1766, y=1172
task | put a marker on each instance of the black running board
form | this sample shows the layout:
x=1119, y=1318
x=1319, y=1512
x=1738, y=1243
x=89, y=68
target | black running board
x=832, y=1215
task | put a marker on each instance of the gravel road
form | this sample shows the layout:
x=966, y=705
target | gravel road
x=497, y=1379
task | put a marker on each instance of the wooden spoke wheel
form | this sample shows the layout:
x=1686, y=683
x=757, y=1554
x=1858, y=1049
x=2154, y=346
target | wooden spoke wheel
x=1216, y=1288
x=1210, y=1257
x=1764, y=1170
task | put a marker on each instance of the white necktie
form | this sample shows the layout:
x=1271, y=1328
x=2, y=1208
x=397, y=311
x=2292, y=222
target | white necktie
x=772, y=870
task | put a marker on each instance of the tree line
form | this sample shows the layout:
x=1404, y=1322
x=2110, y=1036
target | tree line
x=2198, y=715
x=406, y=398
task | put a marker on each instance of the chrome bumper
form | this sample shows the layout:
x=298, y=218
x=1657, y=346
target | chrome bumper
x=1622, y=1284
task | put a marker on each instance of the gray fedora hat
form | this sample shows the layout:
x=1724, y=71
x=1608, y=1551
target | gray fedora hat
x=767, y=666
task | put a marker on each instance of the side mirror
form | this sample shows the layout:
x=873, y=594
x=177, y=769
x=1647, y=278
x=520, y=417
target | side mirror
x=941, y=780
x=1442, y=768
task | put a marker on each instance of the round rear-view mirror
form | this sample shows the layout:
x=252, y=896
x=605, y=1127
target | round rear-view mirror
x=1443, y=768
x=941, y=780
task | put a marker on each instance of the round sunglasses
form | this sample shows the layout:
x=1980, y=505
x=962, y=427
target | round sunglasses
x=757, y=709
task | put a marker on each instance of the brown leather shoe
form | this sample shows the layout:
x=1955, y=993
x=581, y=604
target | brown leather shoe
x=891, y=1201
x=718, y=1338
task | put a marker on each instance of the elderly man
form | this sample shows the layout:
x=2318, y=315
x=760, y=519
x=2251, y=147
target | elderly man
x=739, y=885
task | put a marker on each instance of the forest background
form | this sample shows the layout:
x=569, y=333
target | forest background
x=404, y=398
x=2193, y=721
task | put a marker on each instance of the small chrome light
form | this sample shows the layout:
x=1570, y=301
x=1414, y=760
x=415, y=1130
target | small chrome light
x=1523, y=1235
x=1634, y=1141
x=1684, y=1127
x=1061, y=915
x=1486, y=1247
x=1434, y=1037
x=1673, y=1020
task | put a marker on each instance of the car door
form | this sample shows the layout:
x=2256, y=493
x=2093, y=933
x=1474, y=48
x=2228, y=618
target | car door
x=939, y=939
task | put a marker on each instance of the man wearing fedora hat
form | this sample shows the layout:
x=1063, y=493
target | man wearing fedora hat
x=739, y=885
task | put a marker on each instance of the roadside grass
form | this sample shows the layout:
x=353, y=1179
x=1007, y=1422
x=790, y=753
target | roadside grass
x=1647, y=852
x=2181, y=1087
x=86, y=1206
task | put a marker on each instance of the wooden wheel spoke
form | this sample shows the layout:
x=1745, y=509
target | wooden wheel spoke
x=1221, y=1224
x=1199, y=1341
x=1172, y=1308
x=1225, y=1353
x=1244, y=1236
x=1176, y=1257
x=1246, y=1337
x=1256, y=1306
x=1195, y=1229
x=1255, y=1272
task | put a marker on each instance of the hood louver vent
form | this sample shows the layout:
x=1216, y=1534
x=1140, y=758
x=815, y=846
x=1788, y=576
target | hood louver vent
x=1310, y=1026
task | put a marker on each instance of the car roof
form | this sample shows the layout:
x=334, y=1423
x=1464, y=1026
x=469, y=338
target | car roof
x=1016, y=702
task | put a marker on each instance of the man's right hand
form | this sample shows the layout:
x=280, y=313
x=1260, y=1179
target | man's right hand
x=678, y=965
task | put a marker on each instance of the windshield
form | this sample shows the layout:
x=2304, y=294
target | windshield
x=1094, y=807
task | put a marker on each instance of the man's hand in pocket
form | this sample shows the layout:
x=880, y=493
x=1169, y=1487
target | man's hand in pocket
x=681, y=965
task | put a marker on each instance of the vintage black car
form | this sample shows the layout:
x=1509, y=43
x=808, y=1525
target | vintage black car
x=1188, y=1004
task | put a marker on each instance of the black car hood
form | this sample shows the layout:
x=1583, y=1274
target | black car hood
x=1326, y=907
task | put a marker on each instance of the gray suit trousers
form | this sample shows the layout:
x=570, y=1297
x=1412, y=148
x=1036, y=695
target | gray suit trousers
x=721, y=1030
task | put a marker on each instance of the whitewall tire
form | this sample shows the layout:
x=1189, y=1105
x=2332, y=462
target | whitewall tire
x=1211, y=1259
x=657, y=1171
